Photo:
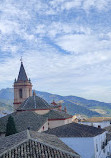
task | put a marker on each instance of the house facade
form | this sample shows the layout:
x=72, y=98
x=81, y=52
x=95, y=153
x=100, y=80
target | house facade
x=99, y=124
x=87, y=141
x=93, y=147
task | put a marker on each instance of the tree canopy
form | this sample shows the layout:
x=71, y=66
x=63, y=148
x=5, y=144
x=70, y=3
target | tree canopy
x=10, y=127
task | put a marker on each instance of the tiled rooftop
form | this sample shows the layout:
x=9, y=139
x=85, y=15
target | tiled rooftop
x=23, y=120
x=29, y=144
x=56, y=114
x=75, y=130
x=34, y=102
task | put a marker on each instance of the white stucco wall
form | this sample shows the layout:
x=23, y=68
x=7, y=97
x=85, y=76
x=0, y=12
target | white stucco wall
x=98, y=141
x=109, y=147
x=83, y=146
x=88, y=147
x=96, y=124
x=57, y=123
x=68, y=121
x=42, y=112
x=44, y=127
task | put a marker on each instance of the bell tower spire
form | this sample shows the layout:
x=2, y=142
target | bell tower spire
x=22, y=74
x=22, y=87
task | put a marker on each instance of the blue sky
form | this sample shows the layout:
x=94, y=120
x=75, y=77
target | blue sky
x=65, y=45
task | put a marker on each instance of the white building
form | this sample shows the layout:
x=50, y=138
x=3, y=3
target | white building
x=98, y=123
x=87, y=141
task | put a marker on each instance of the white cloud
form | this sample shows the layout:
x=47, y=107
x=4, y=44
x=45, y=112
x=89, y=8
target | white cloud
x=71, y=4
x=81, y=4
x=60, y=55
x=82, y=43
x=99, y=5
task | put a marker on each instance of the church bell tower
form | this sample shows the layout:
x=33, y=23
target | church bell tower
x=22, y=88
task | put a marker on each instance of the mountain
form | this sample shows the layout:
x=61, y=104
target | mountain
x=7, y=96
x=93, y=105
x=5, y=109
x=74, y=105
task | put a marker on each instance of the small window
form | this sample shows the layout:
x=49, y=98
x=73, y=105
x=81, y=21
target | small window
x=96, y=147
x=43, y=128
x=20, y=93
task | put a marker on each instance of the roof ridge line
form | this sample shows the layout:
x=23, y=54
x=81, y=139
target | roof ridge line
x=44, y=102
x=54, y=147
x=28, y=134
x=35, y=102
x=26, y=101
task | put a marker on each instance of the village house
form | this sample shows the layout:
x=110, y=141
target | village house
x=33, y=116
x=87, y=141
x=99, y=122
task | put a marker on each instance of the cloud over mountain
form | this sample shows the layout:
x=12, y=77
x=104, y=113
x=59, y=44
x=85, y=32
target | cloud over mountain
x=65, y=45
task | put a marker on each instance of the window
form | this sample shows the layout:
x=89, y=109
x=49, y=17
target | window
x=96, y=147
x=43, y=128
x=20, y=93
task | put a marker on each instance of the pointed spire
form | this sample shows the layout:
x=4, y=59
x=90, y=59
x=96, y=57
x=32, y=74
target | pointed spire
x=22, y=74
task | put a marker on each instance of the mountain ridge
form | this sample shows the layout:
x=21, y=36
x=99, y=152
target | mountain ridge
x=74, y=104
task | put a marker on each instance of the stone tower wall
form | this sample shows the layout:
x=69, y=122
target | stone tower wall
x=26, y=88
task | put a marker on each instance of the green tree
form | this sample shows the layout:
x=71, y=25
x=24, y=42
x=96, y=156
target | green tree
x=10, y=127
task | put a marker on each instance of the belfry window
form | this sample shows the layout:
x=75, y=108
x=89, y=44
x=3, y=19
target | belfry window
x=20, y=93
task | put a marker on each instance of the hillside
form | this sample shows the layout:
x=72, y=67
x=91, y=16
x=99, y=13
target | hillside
x=5, y=109
x=74, y=104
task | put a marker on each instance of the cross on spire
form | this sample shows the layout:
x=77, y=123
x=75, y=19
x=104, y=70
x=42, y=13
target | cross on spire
x=21, y=59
